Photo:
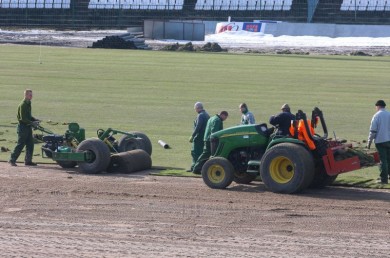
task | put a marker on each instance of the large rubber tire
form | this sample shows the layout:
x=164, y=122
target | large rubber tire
x=244, y=178
x=101, y=156
x=287, y=168
x=218, y=173
x=66, y=164
x=145, y=140
x=127, y=143
x=130, y=161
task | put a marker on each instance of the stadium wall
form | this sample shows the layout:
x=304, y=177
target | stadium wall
x=316, y=29
x=327, y=30
x=82, y=14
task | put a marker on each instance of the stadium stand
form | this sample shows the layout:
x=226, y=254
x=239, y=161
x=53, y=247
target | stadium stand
x=244, y=5
x=137, y=4
x=126, y=13
x=353, y=12
x=35, y=4
x=365, y=5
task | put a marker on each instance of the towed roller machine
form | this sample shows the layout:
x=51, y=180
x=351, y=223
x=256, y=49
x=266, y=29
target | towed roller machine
x=94, y=155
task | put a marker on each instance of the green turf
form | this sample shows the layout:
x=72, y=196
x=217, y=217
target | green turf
x=154, y=91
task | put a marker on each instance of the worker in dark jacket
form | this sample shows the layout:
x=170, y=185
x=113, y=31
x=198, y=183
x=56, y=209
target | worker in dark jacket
x=214, y=124
x=282, y=120
x=197, y=135
x=25, y=137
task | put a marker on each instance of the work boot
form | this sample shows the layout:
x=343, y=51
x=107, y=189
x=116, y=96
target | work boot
x=30, y=163
x=189, y=170
x=12, y=163
x=381, y=181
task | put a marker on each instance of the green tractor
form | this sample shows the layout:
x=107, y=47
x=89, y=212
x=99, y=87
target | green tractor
x=104, y=153
x=285, y=164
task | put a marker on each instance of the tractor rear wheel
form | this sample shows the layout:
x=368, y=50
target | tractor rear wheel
x=100, y=156
x=218, y=173
x=243, y=177
x=287, y=168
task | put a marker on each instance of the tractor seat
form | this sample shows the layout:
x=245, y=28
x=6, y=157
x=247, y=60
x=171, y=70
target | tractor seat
x=53, y=138
x=264, y=130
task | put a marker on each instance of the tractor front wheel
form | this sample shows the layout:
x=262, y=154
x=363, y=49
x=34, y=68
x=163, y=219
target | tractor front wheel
x=99, y=156
x=287, y=168
x=218, y=173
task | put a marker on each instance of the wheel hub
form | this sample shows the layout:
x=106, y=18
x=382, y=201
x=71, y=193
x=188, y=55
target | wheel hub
x=282, y=170
x=216, y=173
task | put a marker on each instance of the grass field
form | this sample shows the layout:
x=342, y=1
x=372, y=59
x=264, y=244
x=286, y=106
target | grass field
x=154, y=92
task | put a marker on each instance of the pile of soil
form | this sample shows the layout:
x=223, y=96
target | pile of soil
x=115, y=42
x=208, y=47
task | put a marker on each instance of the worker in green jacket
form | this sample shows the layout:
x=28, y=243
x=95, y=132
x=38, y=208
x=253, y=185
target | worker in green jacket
x=214, y=124
x=197, y=135
x=26, y=122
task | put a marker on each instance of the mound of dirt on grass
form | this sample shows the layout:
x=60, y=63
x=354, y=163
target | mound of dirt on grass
x=208, y=47
x=359, y=53
x=172, y=47
x=212, y=47
x=115, y=42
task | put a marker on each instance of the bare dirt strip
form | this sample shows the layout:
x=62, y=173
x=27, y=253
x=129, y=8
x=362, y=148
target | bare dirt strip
x=47, y=211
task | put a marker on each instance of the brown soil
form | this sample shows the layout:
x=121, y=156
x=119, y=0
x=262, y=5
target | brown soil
x=47, y=211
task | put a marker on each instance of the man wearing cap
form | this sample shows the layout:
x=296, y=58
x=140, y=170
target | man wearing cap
x=247, y=117
x=24, y=130
x=282, y=120
x=380, y=133
x=198, y=134
x=214, y=124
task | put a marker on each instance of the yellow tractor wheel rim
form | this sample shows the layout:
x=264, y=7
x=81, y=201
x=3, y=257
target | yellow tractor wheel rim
x=216, y=173
x=282, y=170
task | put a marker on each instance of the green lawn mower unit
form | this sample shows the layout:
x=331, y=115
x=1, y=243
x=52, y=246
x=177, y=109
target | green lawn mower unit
x=128, y=154
x=286, y=164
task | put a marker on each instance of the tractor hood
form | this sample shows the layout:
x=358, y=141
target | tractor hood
x=240, y=130
x=240, y=136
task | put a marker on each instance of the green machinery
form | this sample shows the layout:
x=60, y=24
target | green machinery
x=99, y=154
x=285, y=164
